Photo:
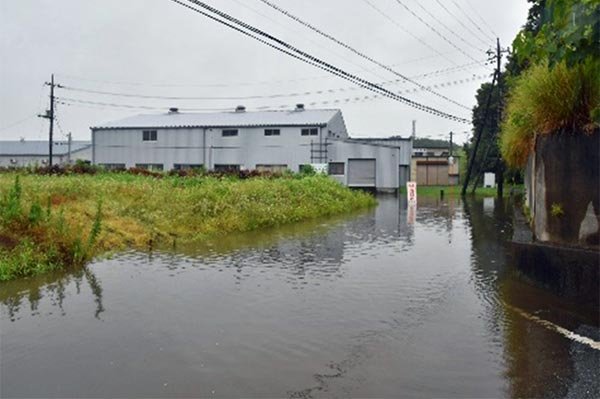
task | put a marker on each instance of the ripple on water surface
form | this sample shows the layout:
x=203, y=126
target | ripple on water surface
x=373, y=304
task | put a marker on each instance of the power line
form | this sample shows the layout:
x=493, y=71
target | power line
x=448, y=28
x=352, y=49
x=393, y=21
x=17, y=123
x=232, y=84
x=268, y=96
x=360, y=67
x=399, y=2
x=473, y=22
x=475, y=35
x=294, y=52
x=75, y=102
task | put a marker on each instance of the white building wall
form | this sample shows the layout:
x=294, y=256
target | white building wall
x=42, y=160
x=387, y=166
x=207, y=147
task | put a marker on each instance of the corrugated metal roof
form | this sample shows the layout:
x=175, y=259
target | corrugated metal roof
x=27, y=147
x=307, y=117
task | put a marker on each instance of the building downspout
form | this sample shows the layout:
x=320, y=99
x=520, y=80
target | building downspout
x=93, y=147
x=204, y=149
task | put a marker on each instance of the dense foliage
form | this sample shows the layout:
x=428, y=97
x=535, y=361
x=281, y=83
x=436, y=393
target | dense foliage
x=553, y=76
x=51, y=222
x=560, y=31
x=545, y=100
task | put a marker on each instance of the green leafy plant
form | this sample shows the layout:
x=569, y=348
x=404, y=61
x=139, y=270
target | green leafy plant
x=556, y=210
x=568, y=30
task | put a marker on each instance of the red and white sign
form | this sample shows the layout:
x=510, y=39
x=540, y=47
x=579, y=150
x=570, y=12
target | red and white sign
x=411, y=192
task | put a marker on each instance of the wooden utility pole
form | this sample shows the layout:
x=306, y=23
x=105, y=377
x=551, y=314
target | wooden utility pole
x=499, y=163
x=451, y=145
x=478, y=139
x=500, y=166
x=50, y=116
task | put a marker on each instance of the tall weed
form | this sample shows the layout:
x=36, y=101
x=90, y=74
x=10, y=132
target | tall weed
x=545, y=100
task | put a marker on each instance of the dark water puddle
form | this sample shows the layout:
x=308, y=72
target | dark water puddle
x=384, y=303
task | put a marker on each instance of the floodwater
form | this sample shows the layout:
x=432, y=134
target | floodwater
x=387, y=303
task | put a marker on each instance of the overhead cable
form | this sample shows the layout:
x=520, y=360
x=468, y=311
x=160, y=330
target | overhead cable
x=303, y=56
x=407, y=31
x=266, y=96
x=352, y=99
x=495, y=35
x=474, y=34
x=414, y=14
x=459, y=37
x=353, y=50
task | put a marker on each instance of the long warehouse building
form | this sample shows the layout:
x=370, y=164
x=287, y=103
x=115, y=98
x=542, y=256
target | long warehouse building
x=265, y=140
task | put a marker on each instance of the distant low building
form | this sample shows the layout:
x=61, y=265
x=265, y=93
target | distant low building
x=22, y=152
x=265, y=140
x=433, y=166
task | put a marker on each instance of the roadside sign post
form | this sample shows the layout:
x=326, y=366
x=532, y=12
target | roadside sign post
x=411, y=192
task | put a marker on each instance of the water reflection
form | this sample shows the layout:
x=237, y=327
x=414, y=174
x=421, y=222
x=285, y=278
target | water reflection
x=16, y=296
x=368, y=304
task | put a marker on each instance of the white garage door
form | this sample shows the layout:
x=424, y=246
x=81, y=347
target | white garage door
x=361, y=172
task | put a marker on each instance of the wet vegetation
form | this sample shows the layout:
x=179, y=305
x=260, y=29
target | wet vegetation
x=554, y=76
x=58, y=220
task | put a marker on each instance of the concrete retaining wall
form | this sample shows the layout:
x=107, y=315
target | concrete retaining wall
x=563, y=182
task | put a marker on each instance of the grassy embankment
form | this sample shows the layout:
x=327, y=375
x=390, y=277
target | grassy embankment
x=56, y=222
x=454, y=191
x=432, y=191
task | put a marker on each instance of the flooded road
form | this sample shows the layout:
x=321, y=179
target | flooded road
x=387, y=303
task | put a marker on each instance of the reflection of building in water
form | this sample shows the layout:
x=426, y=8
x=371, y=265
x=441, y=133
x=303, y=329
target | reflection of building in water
x=323, y=251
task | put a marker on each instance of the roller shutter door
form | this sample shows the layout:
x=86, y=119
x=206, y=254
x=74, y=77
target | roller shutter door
x=361, y=172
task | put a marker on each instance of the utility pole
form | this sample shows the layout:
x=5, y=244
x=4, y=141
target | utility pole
x=69, y=140
x=50, y=116
x=499, y=163
x=451, y=145
x=478, y=139
x=497, y=78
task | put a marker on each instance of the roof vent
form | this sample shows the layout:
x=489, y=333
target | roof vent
x=240, y=108
x=299, y=107
x=173, y=110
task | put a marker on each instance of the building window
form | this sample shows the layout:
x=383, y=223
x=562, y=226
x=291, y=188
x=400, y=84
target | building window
x=113, y=166
x=336, y=168
x=227, y=168
x=271, y=168
x=229, y=132
x=149, y=135
x=187, y=166
x=150, y=166
x=310, y=132
x=272, y=132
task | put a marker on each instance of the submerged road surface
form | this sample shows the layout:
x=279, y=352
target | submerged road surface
x=388, y=303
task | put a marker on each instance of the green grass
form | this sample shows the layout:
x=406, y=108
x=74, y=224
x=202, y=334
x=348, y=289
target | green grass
x=454, y=191
x=57, y=222
x=545, y=100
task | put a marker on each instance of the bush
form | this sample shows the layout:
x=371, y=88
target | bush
x=546, y=100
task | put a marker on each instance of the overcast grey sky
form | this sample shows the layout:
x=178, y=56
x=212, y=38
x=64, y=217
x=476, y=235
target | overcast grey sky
x=159, y=48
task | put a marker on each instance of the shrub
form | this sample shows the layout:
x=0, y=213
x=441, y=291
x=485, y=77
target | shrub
x=545, y=100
